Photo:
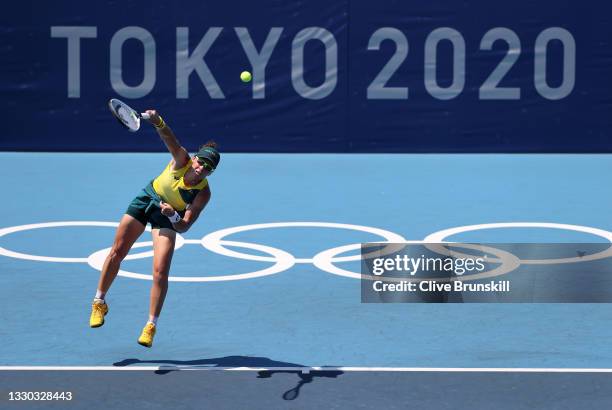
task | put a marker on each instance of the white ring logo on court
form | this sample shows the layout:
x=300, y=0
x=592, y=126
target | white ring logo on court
x=282, y=260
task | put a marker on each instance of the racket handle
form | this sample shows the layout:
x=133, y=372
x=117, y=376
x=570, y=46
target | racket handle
x=145, y=116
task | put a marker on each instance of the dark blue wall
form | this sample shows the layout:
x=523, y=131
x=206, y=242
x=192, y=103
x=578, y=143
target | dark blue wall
x=554, y=92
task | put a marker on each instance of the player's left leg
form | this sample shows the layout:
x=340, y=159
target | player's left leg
x=163, y=249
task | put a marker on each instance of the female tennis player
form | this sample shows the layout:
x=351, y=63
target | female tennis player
x=171, y=203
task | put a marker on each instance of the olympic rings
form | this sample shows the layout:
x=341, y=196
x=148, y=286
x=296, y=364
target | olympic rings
x=324, y=260
x=212, y=241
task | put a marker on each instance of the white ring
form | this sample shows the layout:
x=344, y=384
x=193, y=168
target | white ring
x=19, y=228
x=440, y=236
x=283, y=261
x=324, y=261
x=213, y=241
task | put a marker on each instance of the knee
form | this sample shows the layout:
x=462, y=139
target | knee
x=160, y=275
x=118, y=253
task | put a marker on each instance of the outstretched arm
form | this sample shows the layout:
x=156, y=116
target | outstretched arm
x=191, y=214
x=178, y=152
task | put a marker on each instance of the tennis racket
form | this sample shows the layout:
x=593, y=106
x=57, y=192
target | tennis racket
x=126, y=115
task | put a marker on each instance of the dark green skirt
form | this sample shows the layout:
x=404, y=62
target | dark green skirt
x=145, y=208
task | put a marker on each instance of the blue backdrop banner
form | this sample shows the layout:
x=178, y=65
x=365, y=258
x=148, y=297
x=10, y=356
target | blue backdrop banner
x=347, y=76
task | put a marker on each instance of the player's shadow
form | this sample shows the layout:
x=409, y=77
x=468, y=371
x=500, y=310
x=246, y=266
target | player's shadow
x=304, y=373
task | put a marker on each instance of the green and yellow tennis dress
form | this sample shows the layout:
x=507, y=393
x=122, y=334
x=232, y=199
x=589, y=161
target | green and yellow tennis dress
x=169, y=187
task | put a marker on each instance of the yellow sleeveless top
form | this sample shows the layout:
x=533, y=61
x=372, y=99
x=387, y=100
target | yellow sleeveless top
x=170, y=186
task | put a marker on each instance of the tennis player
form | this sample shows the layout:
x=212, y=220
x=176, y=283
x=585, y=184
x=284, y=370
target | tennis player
x=171, y=203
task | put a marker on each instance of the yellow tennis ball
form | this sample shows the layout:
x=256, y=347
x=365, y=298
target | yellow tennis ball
x=245, y=76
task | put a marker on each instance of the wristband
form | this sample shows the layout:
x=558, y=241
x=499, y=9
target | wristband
x=174, y=218
x=161, y=124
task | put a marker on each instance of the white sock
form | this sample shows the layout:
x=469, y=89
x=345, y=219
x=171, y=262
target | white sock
x=99, y=294
x=153, y=319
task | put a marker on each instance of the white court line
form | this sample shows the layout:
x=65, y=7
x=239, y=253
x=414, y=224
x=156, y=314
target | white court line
x=315, y=368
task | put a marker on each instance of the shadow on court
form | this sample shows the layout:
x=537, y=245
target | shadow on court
x=237, y=362
x=305, y=378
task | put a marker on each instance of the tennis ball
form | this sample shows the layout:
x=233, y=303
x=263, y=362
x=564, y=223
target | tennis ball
x=245, y=76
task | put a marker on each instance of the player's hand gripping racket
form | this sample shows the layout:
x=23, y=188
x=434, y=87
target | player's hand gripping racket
x=126, y=116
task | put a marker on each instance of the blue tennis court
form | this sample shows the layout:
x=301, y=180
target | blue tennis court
x=301, y=315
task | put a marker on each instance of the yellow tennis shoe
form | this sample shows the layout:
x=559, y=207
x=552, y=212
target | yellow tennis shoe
x=98, y=311
x=147, y=335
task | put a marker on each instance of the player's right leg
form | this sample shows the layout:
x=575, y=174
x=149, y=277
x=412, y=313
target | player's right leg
x=127, y=233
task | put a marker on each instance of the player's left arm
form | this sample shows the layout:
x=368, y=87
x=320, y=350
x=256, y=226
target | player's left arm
x=193, y=211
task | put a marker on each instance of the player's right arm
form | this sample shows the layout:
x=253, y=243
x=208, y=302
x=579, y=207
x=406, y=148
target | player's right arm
x=178, y=152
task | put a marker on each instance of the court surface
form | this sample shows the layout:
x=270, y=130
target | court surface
x=279, y=309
